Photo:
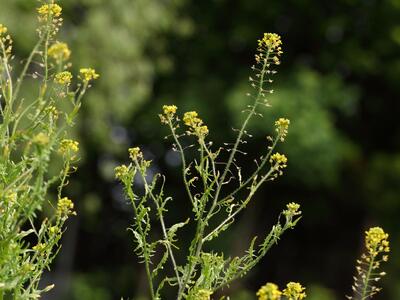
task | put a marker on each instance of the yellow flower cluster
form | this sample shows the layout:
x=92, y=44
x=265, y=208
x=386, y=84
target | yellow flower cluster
x=282, y=126
x=41, y=139
x=68, y=147
x=292, y=209
x=88, y=74
x=271, y=41
x=278, y=160
x=169, y=110
x=376, y=241
x=3, y=29
x=269, y=48
x=192, y=120
x=169, y=113
x=278, y=163
x=5, y=40
x=54, y=230
x=121, y=172
x=63, y=78
x=294, y=291
x=269, y=291
x=59, y=51
x=49, y=10
x=40, y=247
x=134, y=153
x=203, y=295
x=65, y=207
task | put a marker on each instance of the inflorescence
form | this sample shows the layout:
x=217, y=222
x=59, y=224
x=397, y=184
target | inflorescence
x=270, y=291
x=377, y=246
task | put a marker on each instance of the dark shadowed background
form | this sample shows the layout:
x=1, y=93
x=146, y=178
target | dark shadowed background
x=339, y=84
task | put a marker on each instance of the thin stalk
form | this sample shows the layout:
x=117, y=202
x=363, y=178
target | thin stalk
x=364, y=293
x=63, y=178
x=184, y=166
x=260, y=167
x=242, y=206
x=241, y=132
x=8, y=98
x=146, y=257
x=164, y=230
x=26, y=66
x=197, y=242
x=201, y=225
x=274, y=240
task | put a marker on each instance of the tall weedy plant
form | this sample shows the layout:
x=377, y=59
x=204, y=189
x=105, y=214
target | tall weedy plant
x=33, y=137
x=216, y=190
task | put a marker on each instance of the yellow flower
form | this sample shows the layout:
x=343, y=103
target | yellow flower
x=192, y=120
x=40, y=247
x=377, y=244
x=282, y=126
x=269, y=291
x=169, y=110
x=169, y=113
x=68, y=147
x=54, y=229
x=49, y=10
x=271, y=41
x=5, y=40
x=134, y=153
x=376, y=240
x=88, y=74
x=278, y=160
x=202, y=130
x=59, y=51
x=292, y=209
x=121, y=172
x=269, y=49
x=63, y=78
x=3, y=29
x=294, y=291
x=41, y=139
x=203, y=295
x=65, y=207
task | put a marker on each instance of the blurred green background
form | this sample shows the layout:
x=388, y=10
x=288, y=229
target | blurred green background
x=338, y=84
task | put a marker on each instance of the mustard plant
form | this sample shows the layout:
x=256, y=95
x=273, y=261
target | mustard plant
x=368, y=273
x=216, y=191
x=36, y=155
x=270, y=291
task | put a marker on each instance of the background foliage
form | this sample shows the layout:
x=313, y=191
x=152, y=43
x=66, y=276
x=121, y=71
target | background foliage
x=338, y=84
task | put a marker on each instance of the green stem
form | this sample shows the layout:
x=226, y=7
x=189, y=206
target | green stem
x=162, y=222
x=260, y=167
x=201, y=224
x=364, y=293
x=146, y=254
x=241, y=132
x=184, y=166
x=274, y=239
x=241, y=207
x=64, y=177
x=26, y=66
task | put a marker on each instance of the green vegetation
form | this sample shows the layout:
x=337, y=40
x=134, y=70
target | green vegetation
x=338, y=86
